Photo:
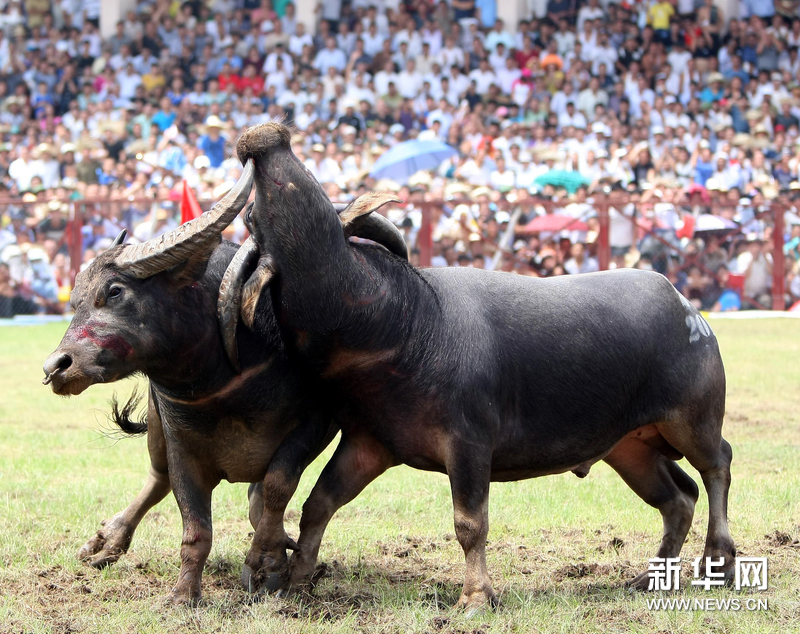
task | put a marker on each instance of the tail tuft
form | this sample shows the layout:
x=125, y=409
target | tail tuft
x=121, y=416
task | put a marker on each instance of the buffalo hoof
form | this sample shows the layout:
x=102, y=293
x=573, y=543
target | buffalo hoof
x=640, y=583
x=183, y=596
x=107, y=545
x=262, y=581
x=477, y=601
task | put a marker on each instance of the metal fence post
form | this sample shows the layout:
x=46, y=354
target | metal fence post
x=603, y=246
x=425, y=236
x=75, y=241
x=778, y=260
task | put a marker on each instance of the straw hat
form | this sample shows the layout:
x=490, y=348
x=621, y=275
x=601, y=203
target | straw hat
x=742, y=138
x=456, y=189
x=387, y=184
x=480, y=191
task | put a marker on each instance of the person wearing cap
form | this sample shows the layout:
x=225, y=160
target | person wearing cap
x=714, y=90
x=54, y=224
x=324, y=168
x=213, y=143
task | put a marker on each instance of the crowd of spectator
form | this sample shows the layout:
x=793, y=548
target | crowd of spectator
x=671, y=111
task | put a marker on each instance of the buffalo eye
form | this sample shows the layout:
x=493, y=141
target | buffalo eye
x=114, y=291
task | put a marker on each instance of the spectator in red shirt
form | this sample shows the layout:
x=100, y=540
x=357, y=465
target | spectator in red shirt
x=228, y=77
x=251, y=80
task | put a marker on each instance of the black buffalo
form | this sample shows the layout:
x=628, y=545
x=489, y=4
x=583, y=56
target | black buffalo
x=488, y=376
x=152, y=309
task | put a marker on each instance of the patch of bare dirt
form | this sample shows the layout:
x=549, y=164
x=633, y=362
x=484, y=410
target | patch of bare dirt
x=440, y=625
x=780, y=539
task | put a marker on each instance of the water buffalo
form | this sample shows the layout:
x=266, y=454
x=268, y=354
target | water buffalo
x=487, y=376
x=151, y=308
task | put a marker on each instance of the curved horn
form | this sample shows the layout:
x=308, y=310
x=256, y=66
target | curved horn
x=119, y=239
x=229, y=300
x=378, y=229
x=196, y=236
x=366, y=204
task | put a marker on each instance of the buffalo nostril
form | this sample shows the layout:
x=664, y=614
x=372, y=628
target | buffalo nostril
x=55, y=364
x=64, y=362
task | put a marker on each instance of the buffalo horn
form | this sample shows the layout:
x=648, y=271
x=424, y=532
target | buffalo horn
x=195, y=238
x=366, y=204
x=378, y=229
x=230, y=297
x=119, y=239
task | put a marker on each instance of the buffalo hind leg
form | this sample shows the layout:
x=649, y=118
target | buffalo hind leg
x=113, y=540
x=469, y=484
x=356, y=462
x=662, y=484
x=266, y=565
x=709, y=453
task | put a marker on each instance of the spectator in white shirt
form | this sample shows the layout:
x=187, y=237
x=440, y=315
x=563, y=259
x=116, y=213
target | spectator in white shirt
x=564, y=37
x=579, y=262
x=498, y=35
x=497, y=58
x=299, y=40
x=483, y=77
x=330, y=57
x=571, y=117
x=507, y=75
x=373, y=40
x=271, y=61
x=589, y=13
x=502, y=179
x=434, y=133
x=409, y=82
x=558, y=103
x=128, y=80
x=451, y=55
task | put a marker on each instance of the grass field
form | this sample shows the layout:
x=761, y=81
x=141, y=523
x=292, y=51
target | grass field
x=559, y=550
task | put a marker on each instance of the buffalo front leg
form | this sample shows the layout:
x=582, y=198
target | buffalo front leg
x=356, y=462
x=193, y=494
x=267, y=565
x=113, y=540
x=469, y=483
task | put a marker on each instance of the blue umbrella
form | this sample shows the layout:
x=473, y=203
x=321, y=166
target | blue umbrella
x=409, y=157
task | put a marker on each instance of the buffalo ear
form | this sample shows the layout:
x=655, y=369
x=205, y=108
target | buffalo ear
x=366, y=204
x=189, y=271
x=251, y=292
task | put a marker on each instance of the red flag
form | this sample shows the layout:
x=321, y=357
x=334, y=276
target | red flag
x=190, y=208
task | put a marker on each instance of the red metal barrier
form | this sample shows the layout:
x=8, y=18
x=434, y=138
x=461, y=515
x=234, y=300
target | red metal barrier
x=778, y=260
x=74, y=240
x=603, y=244
x=425, y=237
x=603, y=253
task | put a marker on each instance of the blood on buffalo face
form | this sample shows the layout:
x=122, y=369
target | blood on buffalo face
x=121, y=324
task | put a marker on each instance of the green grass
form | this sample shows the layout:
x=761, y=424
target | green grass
x=393, y=563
